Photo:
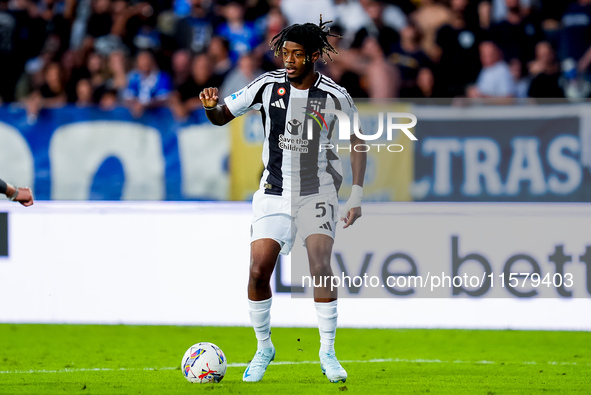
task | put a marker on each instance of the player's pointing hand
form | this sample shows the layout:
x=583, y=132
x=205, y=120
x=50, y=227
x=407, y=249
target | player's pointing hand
x=209, y=97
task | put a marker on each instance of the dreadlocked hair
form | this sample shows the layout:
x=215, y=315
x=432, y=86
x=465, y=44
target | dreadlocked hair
x=312, y=37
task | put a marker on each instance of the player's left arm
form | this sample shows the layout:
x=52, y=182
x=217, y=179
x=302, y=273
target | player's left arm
x=352, y=209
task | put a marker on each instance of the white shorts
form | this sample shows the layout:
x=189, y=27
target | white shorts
x=281, y=218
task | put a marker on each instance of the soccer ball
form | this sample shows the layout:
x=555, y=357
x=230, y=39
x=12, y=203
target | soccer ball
x=204, y=363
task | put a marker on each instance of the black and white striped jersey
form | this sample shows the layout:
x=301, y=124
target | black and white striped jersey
x=298, y=161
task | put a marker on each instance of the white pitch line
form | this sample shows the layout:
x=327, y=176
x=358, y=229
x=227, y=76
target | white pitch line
x=244, y=364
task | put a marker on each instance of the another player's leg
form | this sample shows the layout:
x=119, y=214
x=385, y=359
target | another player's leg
x=264, y=253
x=319, y=247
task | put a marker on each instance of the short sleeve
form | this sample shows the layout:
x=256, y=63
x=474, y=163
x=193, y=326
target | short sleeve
x=342, y=102
x=350, y=109
x=246, y=99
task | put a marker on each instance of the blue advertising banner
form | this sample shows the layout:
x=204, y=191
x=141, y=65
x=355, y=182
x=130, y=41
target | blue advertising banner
x=520, y=154
x=89, y=154
x=486, y=153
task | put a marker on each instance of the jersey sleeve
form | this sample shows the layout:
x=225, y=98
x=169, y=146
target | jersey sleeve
x=350, y=109
x=340, y=100
x=247, y=98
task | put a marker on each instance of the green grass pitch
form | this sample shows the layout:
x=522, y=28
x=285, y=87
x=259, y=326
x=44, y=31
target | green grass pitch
x=95, y=359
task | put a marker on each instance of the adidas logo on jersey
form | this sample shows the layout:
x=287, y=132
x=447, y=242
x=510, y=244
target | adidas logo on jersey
x=326, y=225
x=279, y=103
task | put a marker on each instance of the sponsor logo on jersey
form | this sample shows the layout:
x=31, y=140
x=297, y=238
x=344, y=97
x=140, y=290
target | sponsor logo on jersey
x=294, y=126
x=293, y=144
x=279, y=103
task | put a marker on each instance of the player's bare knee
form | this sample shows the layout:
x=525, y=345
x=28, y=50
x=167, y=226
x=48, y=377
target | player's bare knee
x=321, y=269
x=260, y=275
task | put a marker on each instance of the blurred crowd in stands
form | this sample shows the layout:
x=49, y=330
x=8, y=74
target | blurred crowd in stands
x=143, y=54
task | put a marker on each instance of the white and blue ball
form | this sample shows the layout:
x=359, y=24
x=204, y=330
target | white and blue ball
x=204, y=363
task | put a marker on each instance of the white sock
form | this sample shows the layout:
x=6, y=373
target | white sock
x=327, y=324
x=260, y=318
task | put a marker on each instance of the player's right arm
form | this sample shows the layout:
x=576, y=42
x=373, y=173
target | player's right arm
x=218, y=115
x=22, y=195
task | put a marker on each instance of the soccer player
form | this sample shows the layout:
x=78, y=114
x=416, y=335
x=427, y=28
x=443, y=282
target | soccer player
x=21, y=195
x=300, y=182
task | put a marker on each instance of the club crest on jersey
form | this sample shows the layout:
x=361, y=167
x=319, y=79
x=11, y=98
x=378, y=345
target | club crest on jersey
x=315, y=104
x=294, y=126
x=281, y=91
x=317, y=117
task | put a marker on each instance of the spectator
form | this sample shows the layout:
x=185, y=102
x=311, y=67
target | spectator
x=351, y=18
x=458, y=53
x=33, y=76
x=100, y=22
x=114, y=77
x=495, y=79
x=426, y=83
x=82, y=10
x=386, y=36
x=12, y=56
x=377, y=78
x=70, y=63
x=381, y=79
x=409, y=58
x=84, y=93
x=520, y=78
x=181, y=67
x=194, y=32
x=135, y=26
x=241, y=35
x=148, y=86
x=181, y=8
x=185, y=99
x=246, y=70
x=395, y=12
x=275, y=23
x=425, y=86
x=544, y=72
x=54, y=20
x=345, y=68
x=257, y=10
x=518, y=34
x=38, y=32
x=550, y=13
x=108, y=100
x=575, y=37
x=432, y=15
x=117, y=79
x=52, y=92
x=497, y=10
x=218, y=52
x=95, y=65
